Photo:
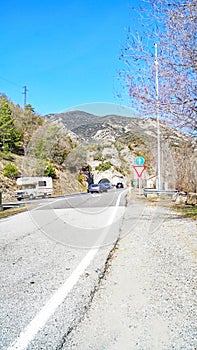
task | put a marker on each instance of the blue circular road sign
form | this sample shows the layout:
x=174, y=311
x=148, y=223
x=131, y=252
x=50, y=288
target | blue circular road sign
x=139, y=161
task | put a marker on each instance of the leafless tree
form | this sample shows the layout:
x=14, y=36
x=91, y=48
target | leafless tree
x=172, y=26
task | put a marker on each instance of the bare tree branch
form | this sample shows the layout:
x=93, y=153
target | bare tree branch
x=172, y=25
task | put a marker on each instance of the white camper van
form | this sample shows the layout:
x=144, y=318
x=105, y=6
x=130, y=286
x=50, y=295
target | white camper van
x=32, y=187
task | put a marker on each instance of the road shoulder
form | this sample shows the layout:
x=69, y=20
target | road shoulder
x=147, y=300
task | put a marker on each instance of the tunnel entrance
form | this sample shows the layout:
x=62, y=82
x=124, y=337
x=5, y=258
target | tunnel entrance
x=104, y=181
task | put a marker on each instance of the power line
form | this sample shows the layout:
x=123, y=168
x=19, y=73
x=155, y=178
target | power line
x=9, y=81
x=17, y=85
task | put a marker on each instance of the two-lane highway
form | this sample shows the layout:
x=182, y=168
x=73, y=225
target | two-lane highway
x=52, y=257
x=79, y=221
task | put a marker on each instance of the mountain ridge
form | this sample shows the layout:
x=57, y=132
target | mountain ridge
x=76, y=121
x=115, y=141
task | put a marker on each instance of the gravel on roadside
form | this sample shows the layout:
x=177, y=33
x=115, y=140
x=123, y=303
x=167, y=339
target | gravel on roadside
x=148, y=298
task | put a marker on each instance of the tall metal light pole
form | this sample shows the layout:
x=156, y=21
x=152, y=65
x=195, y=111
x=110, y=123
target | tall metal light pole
x=158, y=122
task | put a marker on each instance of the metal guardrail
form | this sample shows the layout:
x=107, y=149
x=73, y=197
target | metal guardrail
x=158, y=192
x=12, y=205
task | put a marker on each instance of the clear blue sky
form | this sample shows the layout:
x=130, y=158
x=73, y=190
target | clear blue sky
x=66, y=51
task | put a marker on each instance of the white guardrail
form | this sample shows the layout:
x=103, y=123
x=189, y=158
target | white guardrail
x=157, y=192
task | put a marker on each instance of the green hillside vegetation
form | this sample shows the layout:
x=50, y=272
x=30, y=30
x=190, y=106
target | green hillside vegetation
x=10, y=137
x=60, y=145
x=16, y=127
x=30, y=146
x=23, y=132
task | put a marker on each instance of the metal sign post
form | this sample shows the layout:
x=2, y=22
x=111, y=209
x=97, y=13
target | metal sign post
x=140, y=186
x=139, y=169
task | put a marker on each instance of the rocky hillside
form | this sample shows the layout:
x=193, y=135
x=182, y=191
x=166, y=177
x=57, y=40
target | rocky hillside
x=66, y=143
x=111, y=144
x=64, y=182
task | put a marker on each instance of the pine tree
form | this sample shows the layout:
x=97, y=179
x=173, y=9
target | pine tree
x=9, y=135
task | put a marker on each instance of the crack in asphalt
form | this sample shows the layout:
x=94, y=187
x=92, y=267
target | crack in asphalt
x=101, y=275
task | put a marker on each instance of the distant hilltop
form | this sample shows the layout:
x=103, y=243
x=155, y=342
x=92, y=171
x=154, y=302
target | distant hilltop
x=113, y=142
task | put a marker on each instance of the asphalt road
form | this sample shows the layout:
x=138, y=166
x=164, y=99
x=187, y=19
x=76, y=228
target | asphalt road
x=147, y=298
x=52, y=259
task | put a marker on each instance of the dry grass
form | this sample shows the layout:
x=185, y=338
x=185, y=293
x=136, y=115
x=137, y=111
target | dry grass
x=12, y=211
x=186, y=211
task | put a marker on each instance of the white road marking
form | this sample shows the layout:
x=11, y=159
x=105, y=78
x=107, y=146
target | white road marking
x=39, y=321
x=97, y=218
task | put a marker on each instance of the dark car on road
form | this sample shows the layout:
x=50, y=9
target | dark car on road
x=119, y=185
x=108, y=185
x=97, y=188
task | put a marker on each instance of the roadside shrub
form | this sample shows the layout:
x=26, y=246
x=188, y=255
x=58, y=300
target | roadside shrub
x=6, y=155
x=10, y=170
x=108, y=156
x=120, y=170
x=91, y=148
x=104, y=166
x=98, y=156
x=50, y=171
x=81, y=178
x=119, y=146
x=130, y=146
